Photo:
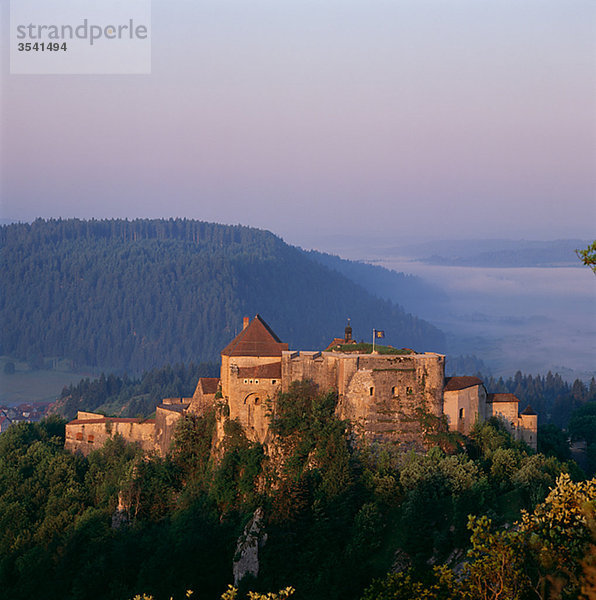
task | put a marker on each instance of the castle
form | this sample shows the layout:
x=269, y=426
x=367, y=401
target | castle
x=381, y=394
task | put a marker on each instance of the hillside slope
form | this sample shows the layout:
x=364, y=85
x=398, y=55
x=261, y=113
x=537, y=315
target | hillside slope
x=132, y=295
x=411, y=292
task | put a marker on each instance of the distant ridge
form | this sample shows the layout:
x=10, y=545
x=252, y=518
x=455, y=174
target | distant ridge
x=132, y=295
x=498, y=253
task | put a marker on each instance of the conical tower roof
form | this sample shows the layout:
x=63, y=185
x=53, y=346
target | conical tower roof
x=257, y=339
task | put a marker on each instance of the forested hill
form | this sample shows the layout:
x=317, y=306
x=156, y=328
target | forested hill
x=415, y=294
x=132, y=295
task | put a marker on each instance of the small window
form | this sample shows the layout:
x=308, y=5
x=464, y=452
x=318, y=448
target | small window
x=257, y=401
x=274, y=381
x=371, y=391
x=394, y=391
x=250, y=381
x=409, y=391
x=90, y=438
x=256, y=381
x=461, y=413
x=80, y=436
x=246, y=381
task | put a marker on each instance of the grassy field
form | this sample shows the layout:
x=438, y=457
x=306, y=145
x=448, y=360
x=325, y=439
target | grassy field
x=27, y=385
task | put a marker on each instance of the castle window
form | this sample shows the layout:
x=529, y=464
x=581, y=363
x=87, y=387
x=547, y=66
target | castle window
x=256, y=381
x=394, y=391
x=409, y=391
x=90, y=438
x=250, y=381
x=461, y=413
x=274, y=381
x=371, y=391
x=80, y=436
x=246, y=381
x=257, y=401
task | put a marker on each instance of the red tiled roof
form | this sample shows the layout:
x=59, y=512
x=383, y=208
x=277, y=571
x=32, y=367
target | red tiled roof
x=271, y=371
x=529, y=411
x=209, y=385
x=257, y=339
x=338, y=342
x=453, y=384
x=502, y=398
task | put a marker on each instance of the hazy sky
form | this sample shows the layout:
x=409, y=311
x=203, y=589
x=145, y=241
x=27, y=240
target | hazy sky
x=406, y=119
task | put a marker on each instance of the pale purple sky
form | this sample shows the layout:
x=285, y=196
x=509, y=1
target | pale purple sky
x=407, y=119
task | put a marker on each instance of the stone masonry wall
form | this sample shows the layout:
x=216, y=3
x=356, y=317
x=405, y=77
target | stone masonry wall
x=91, y=431
x=384, y=397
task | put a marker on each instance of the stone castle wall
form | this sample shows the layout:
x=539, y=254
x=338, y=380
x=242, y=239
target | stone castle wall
x=90, y=431
x=528, y=430
x=383, y=396
x=464, y=408
x=248, y=384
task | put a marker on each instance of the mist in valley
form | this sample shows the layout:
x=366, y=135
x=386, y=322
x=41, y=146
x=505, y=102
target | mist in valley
x=532, y=319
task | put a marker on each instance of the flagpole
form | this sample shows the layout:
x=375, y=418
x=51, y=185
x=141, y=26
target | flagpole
x=374, y=331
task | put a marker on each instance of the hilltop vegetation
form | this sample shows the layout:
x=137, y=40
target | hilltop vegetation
x=132, y=295
x=337, y=517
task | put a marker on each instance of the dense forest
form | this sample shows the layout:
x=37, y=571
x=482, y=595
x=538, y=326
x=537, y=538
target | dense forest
x=339, y=520
x=132, y=295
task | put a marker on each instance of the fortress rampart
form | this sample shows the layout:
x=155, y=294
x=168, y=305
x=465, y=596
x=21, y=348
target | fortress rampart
x=381, y=395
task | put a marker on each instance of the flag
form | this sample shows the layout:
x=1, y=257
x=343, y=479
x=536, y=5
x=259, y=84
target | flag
x=379, y=333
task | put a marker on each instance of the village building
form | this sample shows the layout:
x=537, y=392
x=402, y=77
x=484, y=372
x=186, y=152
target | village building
x=466, y=402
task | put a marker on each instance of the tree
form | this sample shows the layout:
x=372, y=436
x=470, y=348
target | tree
x=552, y=441
x=588, y=256
x=403, y=586
x=496, y=567
x=559, y=538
